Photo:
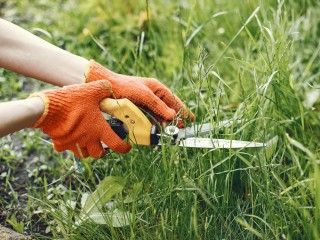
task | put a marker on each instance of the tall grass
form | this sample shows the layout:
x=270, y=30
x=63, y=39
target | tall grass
x=254, y=61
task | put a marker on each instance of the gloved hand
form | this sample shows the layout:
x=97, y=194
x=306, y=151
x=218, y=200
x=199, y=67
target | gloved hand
x=73, y=120
x=147, y=93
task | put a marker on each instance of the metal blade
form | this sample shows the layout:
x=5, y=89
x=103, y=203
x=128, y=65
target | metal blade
x=188, y=132
x=218, y=143
x=203, y=129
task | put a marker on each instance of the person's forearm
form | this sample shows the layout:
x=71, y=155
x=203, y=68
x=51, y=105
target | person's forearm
x=20, y=114
x=27, y=54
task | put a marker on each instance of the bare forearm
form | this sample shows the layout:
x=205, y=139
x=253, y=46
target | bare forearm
x=27, y=54
x=16, y=115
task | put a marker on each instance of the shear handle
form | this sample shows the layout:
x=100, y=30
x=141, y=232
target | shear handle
x=139, y=126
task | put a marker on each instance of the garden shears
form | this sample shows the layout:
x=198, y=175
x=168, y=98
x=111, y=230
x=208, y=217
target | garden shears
x=128, y=119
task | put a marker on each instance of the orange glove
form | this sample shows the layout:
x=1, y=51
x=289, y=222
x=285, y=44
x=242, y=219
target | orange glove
x=73, y=120
x=147, y=93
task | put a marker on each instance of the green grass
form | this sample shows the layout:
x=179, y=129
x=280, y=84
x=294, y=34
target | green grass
x=254, y=61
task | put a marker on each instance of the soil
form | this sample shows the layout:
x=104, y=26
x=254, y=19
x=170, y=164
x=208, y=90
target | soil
x=8, y=234
x=18, y=183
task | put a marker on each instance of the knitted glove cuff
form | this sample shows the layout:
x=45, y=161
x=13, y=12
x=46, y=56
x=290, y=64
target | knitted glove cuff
x=95, y=72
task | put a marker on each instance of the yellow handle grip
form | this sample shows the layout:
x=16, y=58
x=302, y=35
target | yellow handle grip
x=137, y=123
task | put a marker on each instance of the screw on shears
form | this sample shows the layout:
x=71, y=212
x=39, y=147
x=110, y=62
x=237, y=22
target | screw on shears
x=172, y=131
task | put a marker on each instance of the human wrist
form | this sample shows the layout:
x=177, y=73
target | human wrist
x=35, y=107
x=19, y=114
x=40, y=98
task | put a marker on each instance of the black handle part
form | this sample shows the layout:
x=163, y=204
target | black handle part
x=118, y=127
x=154, y=136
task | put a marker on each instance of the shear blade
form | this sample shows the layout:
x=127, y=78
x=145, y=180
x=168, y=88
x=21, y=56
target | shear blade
x=218, y=143
x=188, y=132
x=203, y=129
